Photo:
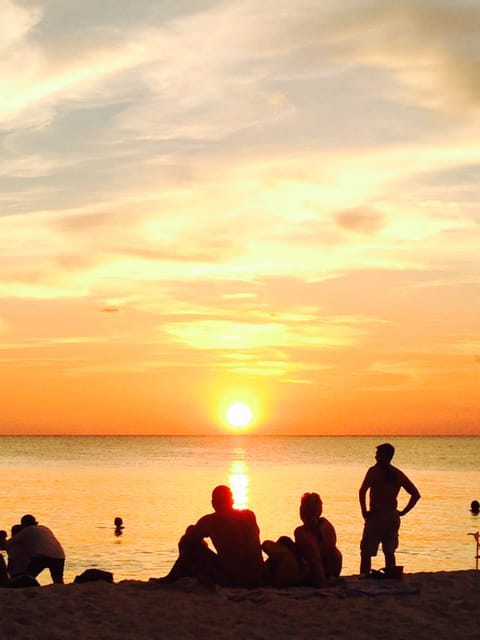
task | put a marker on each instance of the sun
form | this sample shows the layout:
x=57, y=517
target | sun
x=239, y=415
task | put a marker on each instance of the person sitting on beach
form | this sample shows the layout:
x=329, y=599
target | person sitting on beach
x=238, y=560
x=284, y=566
x=383, y=481
x=475, y=507
x=4, y=576
x=15, y=572
x=18, y=559
x=40, y=546
x=316, y=541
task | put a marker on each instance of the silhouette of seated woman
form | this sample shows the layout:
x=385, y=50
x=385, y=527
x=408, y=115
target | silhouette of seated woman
x=316, y=542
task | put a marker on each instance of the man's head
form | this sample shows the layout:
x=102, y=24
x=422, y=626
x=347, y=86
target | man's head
x=385, y=452
x=222, y=498
x=28, y=520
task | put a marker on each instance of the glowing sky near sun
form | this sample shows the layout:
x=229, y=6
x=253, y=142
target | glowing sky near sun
x=204, y=196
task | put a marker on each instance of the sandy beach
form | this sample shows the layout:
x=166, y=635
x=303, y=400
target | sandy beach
x=421, y=606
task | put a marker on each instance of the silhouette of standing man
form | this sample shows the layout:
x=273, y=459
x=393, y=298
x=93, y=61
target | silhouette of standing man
x=383, y=481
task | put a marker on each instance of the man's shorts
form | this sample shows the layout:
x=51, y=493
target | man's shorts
x=380, y=527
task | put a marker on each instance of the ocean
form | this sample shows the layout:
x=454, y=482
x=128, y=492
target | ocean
x=159, y=485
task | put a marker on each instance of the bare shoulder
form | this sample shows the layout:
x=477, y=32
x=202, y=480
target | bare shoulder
x=246, y=514
x=369, y=475
x=405, y=481
x=202, y=527
x=400, y=474
x=206, y=518
x=324, y=522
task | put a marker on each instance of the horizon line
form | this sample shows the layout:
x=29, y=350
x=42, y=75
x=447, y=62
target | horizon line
x=235, y=435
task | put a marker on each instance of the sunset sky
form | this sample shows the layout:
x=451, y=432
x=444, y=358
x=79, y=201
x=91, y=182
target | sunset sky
x=216, y=201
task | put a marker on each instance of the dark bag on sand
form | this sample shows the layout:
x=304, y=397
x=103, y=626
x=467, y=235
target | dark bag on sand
x=94, y=575
x=23, y=581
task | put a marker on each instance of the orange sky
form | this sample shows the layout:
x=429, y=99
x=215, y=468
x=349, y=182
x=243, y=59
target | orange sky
x=205, y=202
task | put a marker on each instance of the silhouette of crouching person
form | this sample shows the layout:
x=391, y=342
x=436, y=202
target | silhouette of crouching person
x=41, y=547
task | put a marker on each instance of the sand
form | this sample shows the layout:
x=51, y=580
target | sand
x=421, y=606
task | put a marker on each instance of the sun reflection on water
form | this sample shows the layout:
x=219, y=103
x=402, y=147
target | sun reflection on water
x=239, y=481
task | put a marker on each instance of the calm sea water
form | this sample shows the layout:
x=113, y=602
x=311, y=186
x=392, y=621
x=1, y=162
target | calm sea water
x=158, y=485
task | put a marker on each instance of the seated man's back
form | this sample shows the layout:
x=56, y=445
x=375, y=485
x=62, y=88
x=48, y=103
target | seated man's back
x=238, y=561
x=235, y=536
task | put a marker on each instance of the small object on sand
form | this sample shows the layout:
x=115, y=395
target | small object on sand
x=476, y=536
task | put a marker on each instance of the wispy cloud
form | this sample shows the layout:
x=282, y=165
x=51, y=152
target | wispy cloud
x=360, y=221
x=242, y=189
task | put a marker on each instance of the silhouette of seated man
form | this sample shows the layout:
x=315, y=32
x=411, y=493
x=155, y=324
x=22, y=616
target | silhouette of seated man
x=316, y=542
x=234, y=533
